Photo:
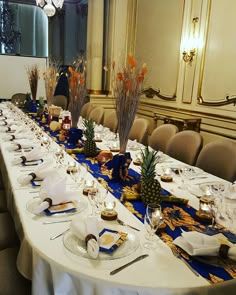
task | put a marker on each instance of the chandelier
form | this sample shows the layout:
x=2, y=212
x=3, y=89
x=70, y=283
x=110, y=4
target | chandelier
x=50, y=6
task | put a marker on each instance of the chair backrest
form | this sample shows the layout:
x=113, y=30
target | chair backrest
x=139, y=130
x=97, y=115
x=110, y=120
x=161, y=136
x=60, y=101
x=219, y=158
x=185, y=146
x=84, y=110
x=18, y=99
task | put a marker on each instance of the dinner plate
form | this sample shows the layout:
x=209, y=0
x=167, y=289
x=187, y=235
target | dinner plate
x=79, y=205
x=128, y=246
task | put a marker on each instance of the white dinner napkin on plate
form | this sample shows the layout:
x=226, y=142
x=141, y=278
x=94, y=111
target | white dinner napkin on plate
x=86, y=229
x=53, y=192
x=42, y=171
x=7, y=122
x=21, y=135
x=34, y=155
x=199, y=244
x=20, y=144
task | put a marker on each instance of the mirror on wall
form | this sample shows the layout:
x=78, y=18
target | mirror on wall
x=26, y=30
x=23, y=30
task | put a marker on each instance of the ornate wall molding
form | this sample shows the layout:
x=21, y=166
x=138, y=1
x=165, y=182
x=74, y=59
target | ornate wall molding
x=150, y=93
x=229, y=99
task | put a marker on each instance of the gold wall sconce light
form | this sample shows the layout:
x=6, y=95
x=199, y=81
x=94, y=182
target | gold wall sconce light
x=188, y=55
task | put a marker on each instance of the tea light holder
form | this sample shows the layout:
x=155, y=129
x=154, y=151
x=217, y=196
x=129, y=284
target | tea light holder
x=71, y=167
x=204, y=213
x=88, y=185
x=167, y=175
x=109, y=212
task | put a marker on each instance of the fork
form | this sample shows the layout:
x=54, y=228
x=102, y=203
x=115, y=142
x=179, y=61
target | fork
x=123, y=223
x=178, y=255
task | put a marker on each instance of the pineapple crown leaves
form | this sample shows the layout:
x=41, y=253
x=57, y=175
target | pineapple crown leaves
x=149, y=161
x=89, y=129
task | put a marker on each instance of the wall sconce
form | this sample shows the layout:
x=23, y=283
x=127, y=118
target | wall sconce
x=188, y=55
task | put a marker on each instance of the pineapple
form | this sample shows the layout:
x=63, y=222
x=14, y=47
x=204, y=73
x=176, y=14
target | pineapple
x=150, y=187
x=90, y=148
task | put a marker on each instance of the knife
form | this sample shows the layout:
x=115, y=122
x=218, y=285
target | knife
x=128, y=264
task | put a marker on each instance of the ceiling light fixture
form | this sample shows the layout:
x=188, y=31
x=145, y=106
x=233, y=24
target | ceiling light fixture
x=50, y=6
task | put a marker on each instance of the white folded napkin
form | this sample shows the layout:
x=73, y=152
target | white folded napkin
x=20, y=144
x=98, y=128
x=42, y=171
x=199, y=244
x=86, y=229
x=12, y=128
x=53, y=192
x=34, y=155
x=17, y=135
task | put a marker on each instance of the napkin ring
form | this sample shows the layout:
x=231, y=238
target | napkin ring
x=49, y=200
x=89, y=237
x=223, y=251
x=33, y=175
x=23, y=159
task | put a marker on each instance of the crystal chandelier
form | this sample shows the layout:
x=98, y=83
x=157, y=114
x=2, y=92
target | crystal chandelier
x=50, y=6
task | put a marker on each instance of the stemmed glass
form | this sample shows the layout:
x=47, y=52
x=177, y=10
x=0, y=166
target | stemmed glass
x=77, y=176
x=59, y=156
x=92, y=196
x=152, y=220
x=46, y=142
x=214, y=210
x=219, y=191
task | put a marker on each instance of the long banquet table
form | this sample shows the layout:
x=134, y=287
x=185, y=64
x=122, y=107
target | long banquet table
x=55, y=270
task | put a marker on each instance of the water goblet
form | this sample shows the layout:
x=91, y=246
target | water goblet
x=152, y=220
x=59, y=156
x=214, y=211
x=219, y=190
x=92, y=192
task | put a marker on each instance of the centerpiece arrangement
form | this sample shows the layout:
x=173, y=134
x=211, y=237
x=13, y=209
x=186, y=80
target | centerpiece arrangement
x=51, y=76
x=33, y=77
x=127, y=87
x=77, y=89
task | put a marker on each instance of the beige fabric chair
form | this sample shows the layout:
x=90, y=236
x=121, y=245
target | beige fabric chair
x=139, y=130
x=84, y=110
x=219, y=158
x=60, y=101
x=110, y=120
x=185, y=146
x=97, y=115
x=8, y=235
x=19, y=99
x=12, y=282
x=161, y=136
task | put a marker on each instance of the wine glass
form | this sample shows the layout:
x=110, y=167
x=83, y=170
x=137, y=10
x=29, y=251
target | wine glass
x=152, y=220
x=59, y=156
x=214, y=211
x=92, y=192
x=75, y=174
x=219, y=190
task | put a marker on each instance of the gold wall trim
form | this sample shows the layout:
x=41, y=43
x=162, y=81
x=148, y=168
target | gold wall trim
x=151, y=92
x=229, y=99
x=90, y=91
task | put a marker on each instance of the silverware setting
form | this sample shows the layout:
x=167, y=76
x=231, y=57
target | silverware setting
x=59, y=235
x=178, y=255
x=124, y=224
x=58, y=221
x=141, y=257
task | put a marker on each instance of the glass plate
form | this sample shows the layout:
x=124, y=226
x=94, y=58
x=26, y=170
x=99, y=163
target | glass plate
x=77, y=246
x=81, y=204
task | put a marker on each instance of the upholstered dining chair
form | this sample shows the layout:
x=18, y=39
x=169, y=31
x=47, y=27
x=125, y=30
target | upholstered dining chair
x=161, y=136
x=12, y=282
x=110, y=120
x=219, y=158
x=18, y=99
x=84, y=110
x=3, y=202
x=185, y=146
x=139, y=130
x=60, y=101
x=97, y=115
